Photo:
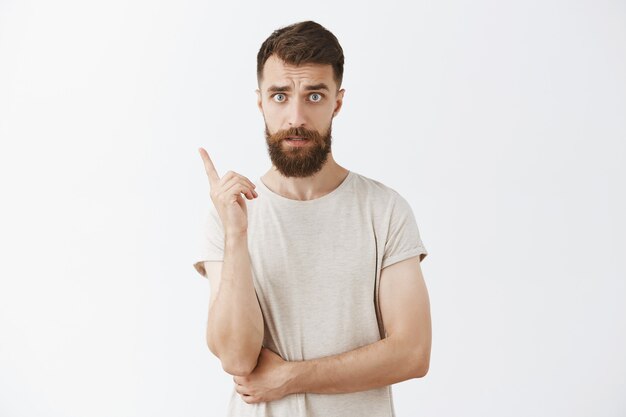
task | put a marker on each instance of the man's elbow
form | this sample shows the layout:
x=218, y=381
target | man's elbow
x=235, y=364
x=421, y=370
x=421, y=363
x=238, y=368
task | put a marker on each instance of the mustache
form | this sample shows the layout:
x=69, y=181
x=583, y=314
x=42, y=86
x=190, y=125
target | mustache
x=296, y=131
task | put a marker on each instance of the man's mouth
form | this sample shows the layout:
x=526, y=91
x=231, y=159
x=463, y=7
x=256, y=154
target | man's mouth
x=297, y=141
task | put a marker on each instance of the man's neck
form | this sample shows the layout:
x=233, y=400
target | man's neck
x=307, y=188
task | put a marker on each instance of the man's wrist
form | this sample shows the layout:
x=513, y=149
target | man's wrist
x=240, y=234
x=235, y=237
x=296, y=376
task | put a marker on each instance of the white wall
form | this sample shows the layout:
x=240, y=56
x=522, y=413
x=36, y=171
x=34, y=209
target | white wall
x=503, y=124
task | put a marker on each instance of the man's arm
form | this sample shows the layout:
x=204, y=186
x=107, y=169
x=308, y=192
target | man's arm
x=235, y=324
x=402, y=355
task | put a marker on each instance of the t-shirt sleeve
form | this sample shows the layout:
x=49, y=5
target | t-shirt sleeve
x=211, y=245
x=403, y=237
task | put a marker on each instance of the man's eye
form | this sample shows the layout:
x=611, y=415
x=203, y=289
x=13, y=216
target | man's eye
x=316, y=97
x=279, y=97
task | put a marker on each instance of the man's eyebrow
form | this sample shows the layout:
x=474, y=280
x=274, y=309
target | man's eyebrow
x=278, y=88
x=320, y=86
x=281, y=88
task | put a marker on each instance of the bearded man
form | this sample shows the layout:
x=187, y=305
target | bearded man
x=318, y=303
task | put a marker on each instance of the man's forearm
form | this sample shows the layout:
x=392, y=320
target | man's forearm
x=382, y=363
x=235, y=325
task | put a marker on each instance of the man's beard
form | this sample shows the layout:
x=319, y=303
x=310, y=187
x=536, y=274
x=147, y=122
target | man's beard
x=298, y=161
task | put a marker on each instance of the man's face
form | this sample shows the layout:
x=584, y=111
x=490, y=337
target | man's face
x=298, y=104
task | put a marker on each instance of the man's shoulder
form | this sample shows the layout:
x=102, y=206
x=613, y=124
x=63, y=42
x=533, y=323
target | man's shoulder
x=375, y=188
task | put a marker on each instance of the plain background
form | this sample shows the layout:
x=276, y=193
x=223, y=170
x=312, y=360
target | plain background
x=502, y=123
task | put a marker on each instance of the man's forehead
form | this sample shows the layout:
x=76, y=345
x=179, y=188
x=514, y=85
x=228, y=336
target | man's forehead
x=276, y=72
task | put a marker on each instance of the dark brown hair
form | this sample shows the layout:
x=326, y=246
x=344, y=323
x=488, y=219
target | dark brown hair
x=303, y=43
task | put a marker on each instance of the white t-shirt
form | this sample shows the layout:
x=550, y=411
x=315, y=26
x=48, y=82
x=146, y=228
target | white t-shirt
x=316, y=269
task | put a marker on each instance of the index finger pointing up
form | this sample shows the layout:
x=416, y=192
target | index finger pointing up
x=209, y=167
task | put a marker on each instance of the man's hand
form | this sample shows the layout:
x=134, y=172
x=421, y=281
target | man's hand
x=268, y=381
x=226, y=195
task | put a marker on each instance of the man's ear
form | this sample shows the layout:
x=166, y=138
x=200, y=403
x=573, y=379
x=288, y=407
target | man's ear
x=339, y=101
x=259, y=100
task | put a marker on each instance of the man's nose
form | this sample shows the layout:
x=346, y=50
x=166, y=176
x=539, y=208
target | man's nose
x=296, y=114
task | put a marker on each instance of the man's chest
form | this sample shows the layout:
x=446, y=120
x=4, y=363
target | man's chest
x=314, y=259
